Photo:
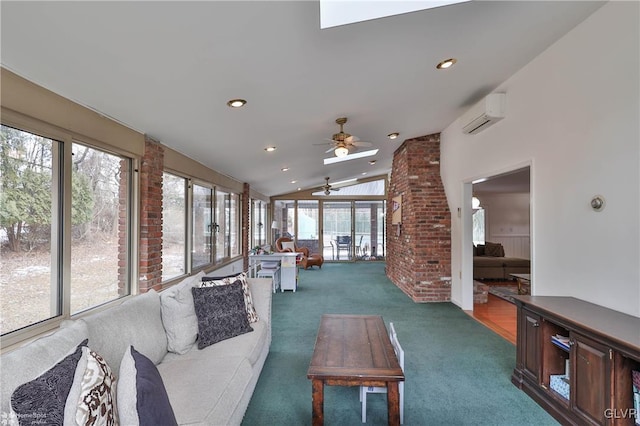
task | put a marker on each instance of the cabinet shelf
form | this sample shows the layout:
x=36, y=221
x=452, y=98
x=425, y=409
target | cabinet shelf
x=576, y=359
x=560, y=343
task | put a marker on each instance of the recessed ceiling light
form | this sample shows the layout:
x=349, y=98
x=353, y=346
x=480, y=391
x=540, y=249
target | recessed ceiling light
x=270, y=148
x=393, y=135
x=236, y=103
x=372, y=162
x=294, y=181
x=284, y=169
x=299, y=189
x=447, y=63
x=363, y=173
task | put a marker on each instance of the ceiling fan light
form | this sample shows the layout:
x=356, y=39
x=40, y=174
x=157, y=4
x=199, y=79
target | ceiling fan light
x=341, y=151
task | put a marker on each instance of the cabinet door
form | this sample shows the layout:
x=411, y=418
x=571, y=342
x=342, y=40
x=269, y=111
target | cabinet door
x=590, y=379
x=531, y=345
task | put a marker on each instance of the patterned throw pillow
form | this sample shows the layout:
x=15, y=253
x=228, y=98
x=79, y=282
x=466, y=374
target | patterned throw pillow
x=221, y=313
x=493, y=249
x=252, y=315
x=142, y=397
x=43, y=400
x=97, y=399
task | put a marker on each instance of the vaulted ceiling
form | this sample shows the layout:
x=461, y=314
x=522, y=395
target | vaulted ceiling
x=168, y=69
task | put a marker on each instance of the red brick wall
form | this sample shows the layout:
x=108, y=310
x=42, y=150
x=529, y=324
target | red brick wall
x=419, y=259
x=151, y=169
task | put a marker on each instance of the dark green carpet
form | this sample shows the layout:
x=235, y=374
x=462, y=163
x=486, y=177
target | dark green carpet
x=457, y=371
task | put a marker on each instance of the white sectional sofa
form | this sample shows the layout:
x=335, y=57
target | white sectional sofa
x=210, y=386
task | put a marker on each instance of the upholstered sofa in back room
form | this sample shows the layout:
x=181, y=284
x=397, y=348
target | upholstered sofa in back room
x=209, y=386
x=489, y=262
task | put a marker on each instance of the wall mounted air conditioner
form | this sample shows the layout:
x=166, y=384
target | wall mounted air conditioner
x=485, y=113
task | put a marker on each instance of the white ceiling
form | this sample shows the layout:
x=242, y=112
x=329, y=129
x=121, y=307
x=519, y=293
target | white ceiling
x=168, y=68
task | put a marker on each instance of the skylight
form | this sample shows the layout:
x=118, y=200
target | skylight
x=334, y=13
x=350, y=156
x=375, y=187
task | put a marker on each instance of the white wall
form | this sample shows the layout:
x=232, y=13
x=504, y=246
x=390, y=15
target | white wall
x=573, y=115
x=507, y=221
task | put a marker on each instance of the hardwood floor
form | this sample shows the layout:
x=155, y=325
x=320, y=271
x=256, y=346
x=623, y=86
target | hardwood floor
x=498, y=315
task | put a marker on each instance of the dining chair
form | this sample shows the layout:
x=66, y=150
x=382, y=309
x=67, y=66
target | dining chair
x=343, y=242
x=359, y=251
x=364, y=390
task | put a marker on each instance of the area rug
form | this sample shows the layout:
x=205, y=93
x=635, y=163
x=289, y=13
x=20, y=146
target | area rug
x=505, y=293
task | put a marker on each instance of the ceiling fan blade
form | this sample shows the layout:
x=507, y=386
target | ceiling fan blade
x=335, y=189
x=329, y=150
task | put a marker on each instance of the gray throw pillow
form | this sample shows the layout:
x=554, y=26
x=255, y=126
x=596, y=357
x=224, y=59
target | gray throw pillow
x=142, y=397
x=221, y=313
x=42, y=400
x=493, y=249
x=178, y=317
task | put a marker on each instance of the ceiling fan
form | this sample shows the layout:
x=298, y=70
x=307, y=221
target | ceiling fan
x=342, y=143
x=327, y=188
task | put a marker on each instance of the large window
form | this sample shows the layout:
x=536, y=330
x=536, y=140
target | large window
x=202, y=226
x=284, y=212
x=258, y=223
x=233, y=225
x=174, y=226
x=227, y=225
x=478, y=220
x=30, y=290
x=38, y=280
x=99, y=200
x=212, y=218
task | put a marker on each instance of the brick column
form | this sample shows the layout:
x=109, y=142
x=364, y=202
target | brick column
x=419, y=259
x=151, y=170
x=246, y=212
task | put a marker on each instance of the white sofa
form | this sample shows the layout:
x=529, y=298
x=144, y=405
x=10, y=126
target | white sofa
x=212, y=386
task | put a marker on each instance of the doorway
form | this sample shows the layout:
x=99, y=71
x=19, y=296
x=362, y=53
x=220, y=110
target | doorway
x=500, y=216
x=353, y=230
x=337, y=230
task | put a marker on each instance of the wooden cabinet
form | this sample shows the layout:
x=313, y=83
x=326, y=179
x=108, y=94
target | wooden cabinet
x=591, y=373
x=531, y=344
x=575, y=359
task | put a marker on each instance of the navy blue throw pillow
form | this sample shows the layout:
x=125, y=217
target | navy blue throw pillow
x=42, y=400
x=152, y=402
x=221, y=313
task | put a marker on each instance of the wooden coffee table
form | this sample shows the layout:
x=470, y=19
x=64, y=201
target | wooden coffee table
x=354, y=350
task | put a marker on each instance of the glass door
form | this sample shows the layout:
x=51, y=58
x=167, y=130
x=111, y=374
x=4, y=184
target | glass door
x=307, y=234
x=337, y=230
x=369, y=242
